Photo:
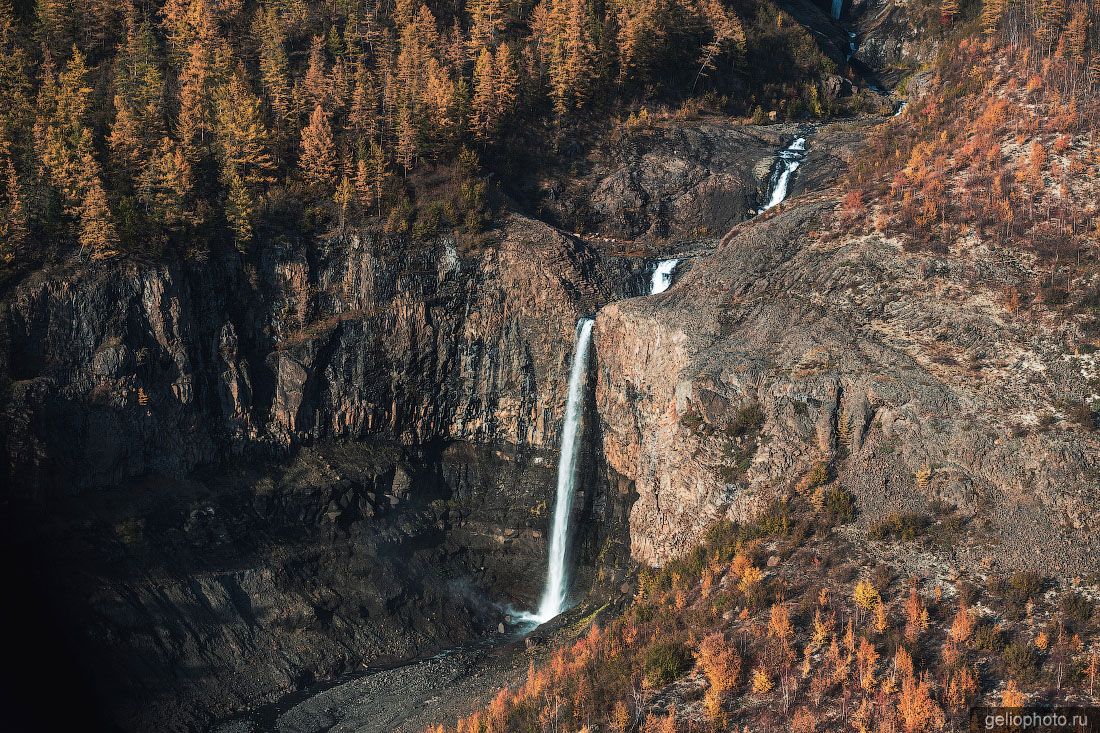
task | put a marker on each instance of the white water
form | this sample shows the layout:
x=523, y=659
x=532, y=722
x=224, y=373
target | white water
x=557, y=574
x=662, y=276
x=838, y=5
x=790, y=159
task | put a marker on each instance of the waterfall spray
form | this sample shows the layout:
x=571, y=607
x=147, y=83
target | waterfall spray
x=557, y=576
x=838, y=8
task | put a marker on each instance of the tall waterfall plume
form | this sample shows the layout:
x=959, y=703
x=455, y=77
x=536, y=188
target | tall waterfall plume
x=838, y=6
x=557, y=574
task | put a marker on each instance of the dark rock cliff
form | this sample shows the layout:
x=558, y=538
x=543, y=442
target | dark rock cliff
x=128, y=368
x=231, y=478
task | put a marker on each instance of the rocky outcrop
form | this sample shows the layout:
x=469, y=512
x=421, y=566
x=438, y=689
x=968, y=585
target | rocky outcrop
x=689, y=181
x=893, y=35
x=795, y=342
x=192, y=599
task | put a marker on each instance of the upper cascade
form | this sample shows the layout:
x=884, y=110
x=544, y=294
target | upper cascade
x=662, y=276
x=790, y=158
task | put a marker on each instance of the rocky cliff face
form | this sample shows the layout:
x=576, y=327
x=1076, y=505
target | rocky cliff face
x=794, y=343
x=232, y=478
x=685, y=181
x=126, y=369
x=894, y=35
x=192, y=599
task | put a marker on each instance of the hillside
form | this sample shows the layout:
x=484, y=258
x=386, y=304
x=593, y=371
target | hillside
x=178, y=127
x=888, y=387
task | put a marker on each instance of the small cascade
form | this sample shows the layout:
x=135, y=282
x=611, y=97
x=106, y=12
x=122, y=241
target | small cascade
x=790, y=158
x=838, y=6
x=557, y=574
x=662, y=276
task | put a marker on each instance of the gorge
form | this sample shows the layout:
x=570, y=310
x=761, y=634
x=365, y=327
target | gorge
x=561, y=366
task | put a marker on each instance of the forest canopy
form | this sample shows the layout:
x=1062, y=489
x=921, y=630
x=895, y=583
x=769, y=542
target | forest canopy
x=132, y=126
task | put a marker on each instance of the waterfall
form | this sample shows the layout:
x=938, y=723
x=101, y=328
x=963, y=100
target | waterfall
x=789, y=159
x=557, y=575
x=662, y=276
x=838, y=5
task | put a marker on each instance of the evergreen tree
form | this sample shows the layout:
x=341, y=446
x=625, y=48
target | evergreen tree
x=727, y=34
x=370, y=177
x=441, y=125
x=565, y=43
x=185, y=23
x=166, y=186
x=342, y=197
x=274, y=65
x=99, y=24
x=487, y=23
x=1077, y=34
x=196, y=118
x=483, y=104
x=316, y=86
x=14, y=226
x=496, y=85
x=97, y=232
x=242, y=137
x=65, y=145
x=992, y=12
x=125, y=140
x=17, y=112
x=363, y=111
x=240, y=207
x=507, y=81
x=1051, y=18
x=644, y=27
x=318, y=156
x=406, y=139
x=139, y=79
x=55, y=26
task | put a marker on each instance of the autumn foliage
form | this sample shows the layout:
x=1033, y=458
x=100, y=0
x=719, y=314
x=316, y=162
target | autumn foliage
x=132, y=126
x=995, y=157
x=803, y=647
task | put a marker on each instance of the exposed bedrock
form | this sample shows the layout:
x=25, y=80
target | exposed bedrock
x=686, y=181
x=190, y=599
x=795, y=342
x=893, y=35
x=124, y=369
